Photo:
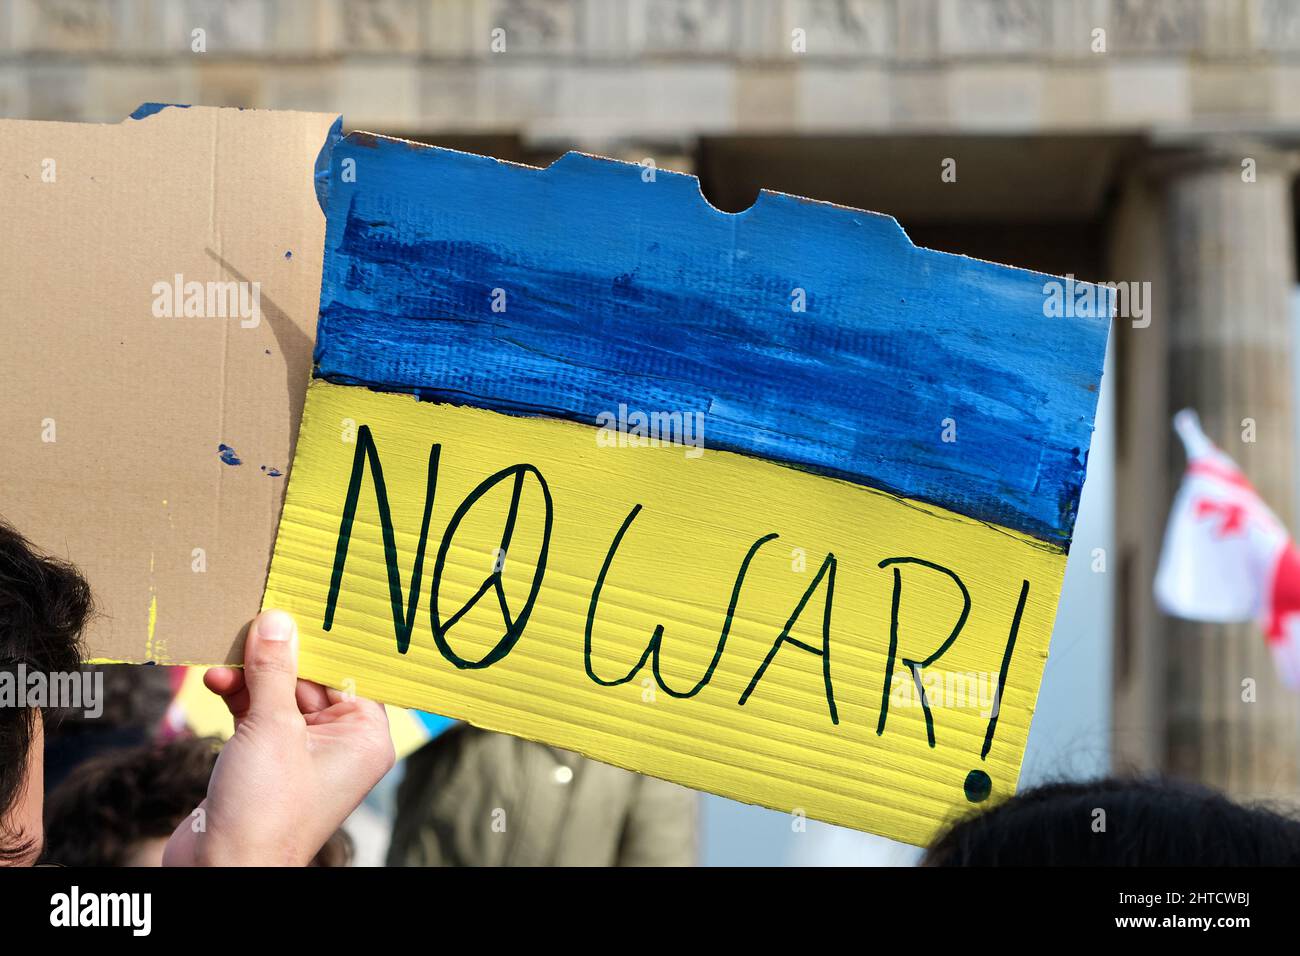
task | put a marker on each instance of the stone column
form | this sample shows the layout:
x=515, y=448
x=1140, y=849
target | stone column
x=1231, y=270
x=1135, y=252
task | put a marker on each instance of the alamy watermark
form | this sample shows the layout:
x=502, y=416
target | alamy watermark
x=1069, y=299
x=938, y=689
x=179, y=299
x=637, y=429
x=56, y=690
x=75, y=908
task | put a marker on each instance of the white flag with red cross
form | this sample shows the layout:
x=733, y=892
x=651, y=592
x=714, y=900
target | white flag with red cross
x=1226, y=556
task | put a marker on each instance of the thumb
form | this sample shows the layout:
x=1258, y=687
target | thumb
x=271, y=663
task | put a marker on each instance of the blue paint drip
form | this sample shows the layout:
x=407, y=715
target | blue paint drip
x=228, y=455
x=272, y=472
x=145, y=110
x=321, y=175
x=620, y=291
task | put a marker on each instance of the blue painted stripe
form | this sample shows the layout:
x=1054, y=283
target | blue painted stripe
x=623, y=291
x=145, y=110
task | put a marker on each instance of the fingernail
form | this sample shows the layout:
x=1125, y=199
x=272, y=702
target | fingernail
x=275, y=626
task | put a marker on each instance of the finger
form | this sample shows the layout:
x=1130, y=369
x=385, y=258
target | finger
x=223, y=680
x=271, y=664
x=357, y=710
x=312, y=697
x=372, y=709
x=361, y=728
x=230, y=687
x=364, y=705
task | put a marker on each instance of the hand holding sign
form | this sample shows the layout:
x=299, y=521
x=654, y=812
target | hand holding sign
x=296, y=745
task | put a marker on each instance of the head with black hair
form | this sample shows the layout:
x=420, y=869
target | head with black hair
x=119, y=807
x=1117, y=822
x=44, y=604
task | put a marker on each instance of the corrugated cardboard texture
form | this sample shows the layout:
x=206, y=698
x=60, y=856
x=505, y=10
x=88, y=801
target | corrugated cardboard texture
x=113, y=416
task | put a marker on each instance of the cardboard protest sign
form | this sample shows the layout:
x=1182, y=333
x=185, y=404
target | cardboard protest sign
x=160, y=285
x=742, y=501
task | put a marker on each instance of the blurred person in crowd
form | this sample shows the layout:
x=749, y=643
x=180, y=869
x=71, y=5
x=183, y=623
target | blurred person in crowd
x=471, y=797
x=120, y=808
x=135, y=699
x=1116, y=822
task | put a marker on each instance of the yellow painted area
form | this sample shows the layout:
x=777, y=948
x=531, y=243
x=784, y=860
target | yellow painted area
x=153, y=624
x=205, y=713
x=408, y=733
x=677, y=567
x=153, y=612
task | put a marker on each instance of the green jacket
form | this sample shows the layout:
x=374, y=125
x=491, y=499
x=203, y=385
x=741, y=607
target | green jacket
x=475, y=798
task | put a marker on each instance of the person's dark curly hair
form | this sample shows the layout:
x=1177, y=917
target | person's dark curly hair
x=111, y=804
x=1119, y=822
x=44, y=605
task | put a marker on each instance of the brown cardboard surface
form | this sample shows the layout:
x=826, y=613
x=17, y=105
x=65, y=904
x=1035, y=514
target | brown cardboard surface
x=136, y=404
